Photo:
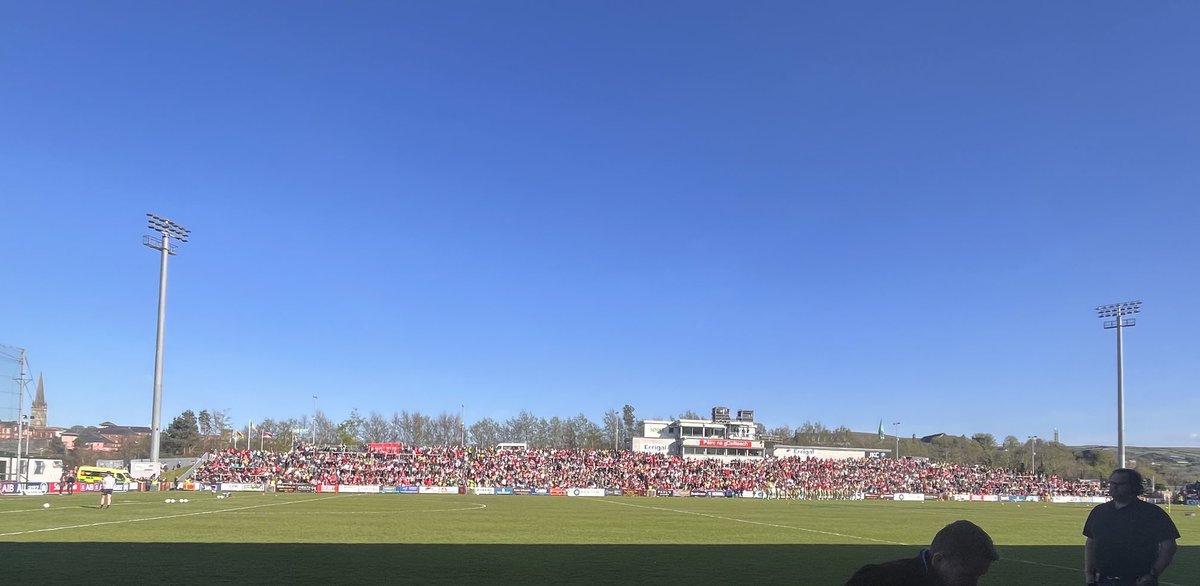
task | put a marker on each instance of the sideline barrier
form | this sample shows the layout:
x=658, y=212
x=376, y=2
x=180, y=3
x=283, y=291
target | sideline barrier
x=360, y=488
x=585, y=492
x=10, y=488
x=292, y=487
x=242, y=487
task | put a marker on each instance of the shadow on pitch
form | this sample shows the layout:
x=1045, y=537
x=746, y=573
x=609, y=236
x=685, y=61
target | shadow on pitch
x=276, y=563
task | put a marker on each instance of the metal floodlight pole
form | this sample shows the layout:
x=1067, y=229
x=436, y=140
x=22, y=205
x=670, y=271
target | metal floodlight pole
x=1033, y=453
x=313, y=434
x=897, y=424
x=21, y=417
x=167, y=230
x=1118, y=311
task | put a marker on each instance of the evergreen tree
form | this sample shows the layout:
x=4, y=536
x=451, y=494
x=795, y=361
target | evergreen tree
x=183, y=435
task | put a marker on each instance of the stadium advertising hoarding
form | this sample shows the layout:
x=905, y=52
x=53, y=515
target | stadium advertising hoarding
x=242, y=487
x=359, y=488
x=9, y=488
x=1079, y=499
x=974, y=497
x=585, y=492
x=144, y=470
x=384, y=448
x=725, y=443
x=83, y=487
x=908, y=496
x=823, y=452
x=293, y=487
x=652, y=445
x=654, y=428
x=438, y=490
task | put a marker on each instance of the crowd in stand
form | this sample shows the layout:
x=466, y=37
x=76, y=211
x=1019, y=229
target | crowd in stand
x=792, y=477
x=1190, y=492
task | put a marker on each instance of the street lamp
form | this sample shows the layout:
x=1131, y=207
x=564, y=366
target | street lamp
x=1118, y=311
x=897, y=425
x=1032, y=453
x=162, y=242
x=314, y=421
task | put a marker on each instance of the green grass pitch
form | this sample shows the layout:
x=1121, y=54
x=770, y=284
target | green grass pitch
x=459, y=539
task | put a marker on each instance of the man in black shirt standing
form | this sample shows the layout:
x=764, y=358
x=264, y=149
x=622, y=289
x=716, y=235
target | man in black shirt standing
x=1129, y=541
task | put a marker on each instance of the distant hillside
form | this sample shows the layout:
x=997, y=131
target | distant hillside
x=1178, y=464
x=1167, y=465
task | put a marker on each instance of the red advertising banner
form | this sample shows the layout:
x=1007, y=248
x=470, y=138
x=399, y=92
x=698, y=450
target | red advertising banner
x=726, y=443
x=384, y=448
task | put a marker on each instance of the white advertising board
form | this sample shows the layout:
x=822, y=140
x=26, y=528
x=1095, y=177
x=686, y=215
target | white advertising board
x=438, y=490
x=585, y=492
x=366, y=489
x=242, y=487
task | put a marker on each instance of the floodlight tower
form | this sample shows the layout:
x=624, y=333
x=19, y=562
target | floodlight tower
x=1033, y=454
x=897, y=424
x=167, y=230
x=1118, y=311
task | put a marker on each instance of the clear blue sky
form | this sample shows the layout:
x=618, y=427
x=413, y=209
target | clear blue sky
x=828, y=211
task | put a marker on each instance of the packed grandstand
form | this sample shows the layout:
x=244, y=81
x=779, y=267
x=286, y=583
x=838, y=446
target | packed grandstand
x=629, y=472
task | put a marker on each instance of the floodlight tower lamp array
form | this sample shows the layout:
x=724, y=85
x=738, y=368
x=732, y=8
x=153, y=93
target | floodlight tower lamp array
x=1118, y=311
x=167, y=230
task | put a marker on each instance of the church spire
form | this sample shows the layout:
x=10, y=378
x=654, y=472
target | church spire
x=38, y=411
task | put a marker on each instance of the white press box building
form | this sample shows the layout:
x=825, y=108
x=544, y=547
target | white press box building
x=727, y=439
x=720, y=437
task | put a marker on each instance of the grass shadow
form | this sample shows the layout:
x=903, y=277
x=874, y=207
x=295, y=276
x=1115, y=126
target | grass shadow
x=339, y=563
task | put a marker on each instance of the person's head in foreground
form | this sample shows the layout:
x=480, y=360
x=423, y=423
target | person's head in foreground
x=960, y=553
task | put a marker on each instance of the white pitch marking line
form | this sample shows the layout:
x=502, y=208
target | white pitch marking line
x=159, y=518
x=473, y=507
x=719, y=517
